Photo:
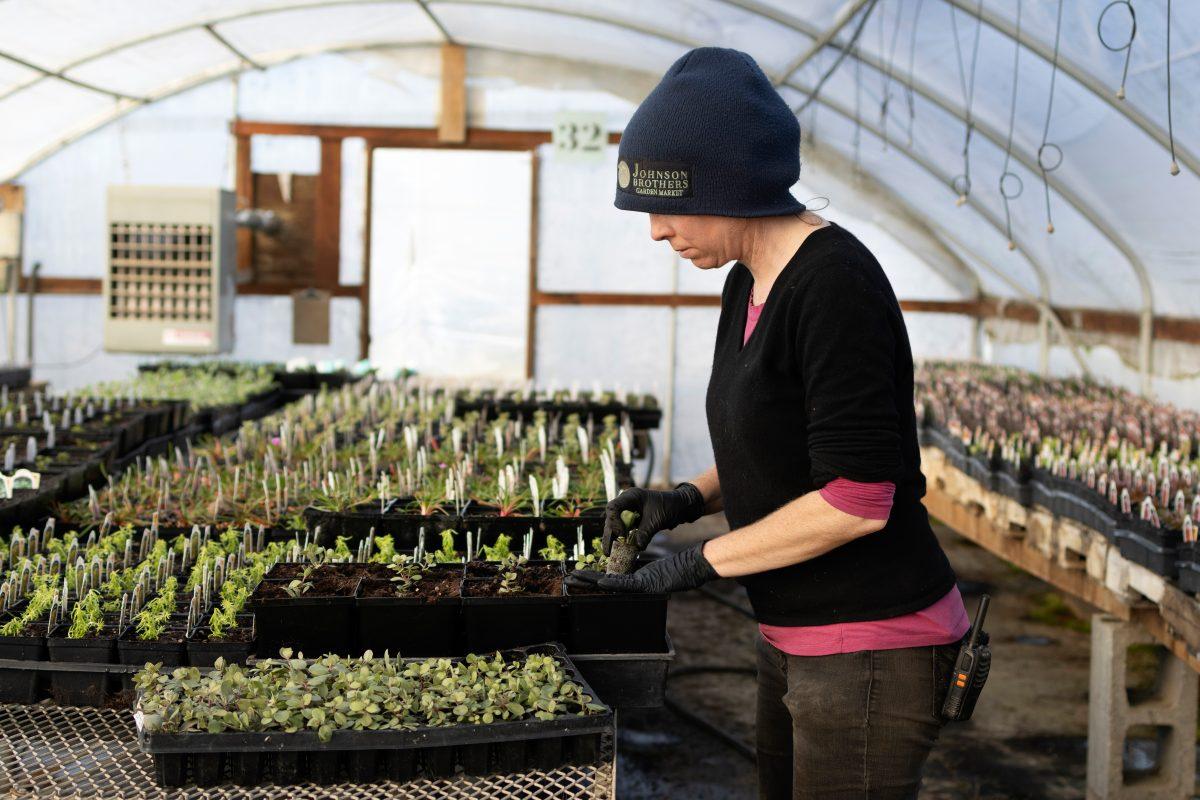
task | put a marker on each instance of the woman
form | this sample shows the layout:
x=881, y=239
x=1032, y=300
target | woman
x=810, y=412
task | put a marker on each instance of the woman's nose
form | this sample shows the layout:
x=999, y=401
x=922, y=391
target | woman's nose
x=659, y=229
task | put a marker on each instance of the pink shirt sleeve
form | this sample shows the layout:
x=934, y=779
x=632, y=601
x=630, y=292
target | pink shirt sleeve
x=867, y=500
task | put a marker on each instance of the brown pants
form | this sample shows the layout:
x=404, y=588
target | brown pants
x=852, y=726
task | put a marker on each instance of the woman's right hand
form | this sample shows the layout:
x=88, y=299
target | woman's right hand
x=658, y=511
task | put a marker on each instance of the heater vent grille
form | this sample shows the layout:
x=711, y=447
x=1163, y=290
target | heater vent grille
x=161, y=272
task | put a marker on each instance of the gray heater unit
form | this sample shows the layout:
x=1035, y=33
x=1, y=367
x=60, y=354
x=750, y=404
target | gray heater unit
x=172, y=254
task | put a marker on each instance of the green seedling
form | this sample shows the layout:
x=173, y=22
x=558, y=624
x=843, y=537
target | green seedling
x=86, y=617
x=499, y=551
x=447, y=554
x=554, y=549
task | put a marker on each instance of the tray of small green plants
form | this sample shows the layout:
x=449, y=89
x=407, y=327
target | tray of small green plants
x=292, y=719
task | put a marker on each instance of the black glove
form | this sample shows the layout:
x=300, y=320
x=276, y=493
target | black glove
x=660, y=511
x=685, y=570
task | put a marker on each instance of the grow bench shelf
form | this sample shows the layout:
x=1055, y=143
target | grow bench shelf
x=52, y=752
x=369, y=755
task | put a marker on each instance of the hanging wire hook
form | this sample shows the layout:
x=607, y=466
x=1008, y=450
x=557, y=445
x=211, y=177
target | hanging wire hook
x=1011, y=185
x=1047, y=146
x=908, y=84
x=968, y=89
x=1128, y=46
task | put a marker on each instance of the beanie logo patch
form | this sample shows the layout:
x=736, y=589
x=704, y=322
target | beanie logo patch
x=655, y=178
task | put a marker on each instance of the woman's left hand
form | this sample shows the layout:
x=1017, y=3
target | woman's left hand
x=685, y=570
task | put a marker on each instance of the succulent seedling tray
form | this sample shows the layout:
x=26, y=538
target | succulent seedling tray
x=399, y=755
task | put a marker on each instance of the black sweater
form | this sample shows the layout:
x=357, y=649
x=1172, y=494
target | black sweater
x=824, y=389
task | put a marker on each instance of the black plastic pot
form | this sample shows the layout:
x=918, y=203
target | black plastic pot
x=81, y=688
x=608, y=622
x=405, y=529
x=204, y=652
x=506, y=621
x=628, y=680
x=311, y=625
x=355, y=524
x=131, y=650
x=408, y=626
x=22, y=685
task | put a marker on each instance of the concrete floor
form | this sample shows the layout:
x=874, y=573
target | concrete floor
x=1027, y=738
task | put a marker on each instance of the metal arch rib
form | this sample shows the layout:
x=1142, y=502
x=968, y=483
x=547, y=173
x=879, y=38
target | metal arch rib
x=843, y=18
x=992, y=219
x=424, y=5
x=44, y=73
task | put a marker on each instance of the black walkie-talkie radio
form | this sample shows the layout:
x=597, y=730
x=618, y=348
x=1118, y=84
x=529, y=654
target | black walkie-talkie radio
x=970, y=670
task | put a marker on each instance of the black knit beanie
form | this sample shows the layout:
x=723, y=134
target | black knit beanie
x=714, y=137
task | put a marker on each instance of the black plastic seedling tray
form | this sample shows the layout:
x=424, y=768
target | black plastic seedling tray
x=366, y=756
x=1156, y=549
x=1188, y=567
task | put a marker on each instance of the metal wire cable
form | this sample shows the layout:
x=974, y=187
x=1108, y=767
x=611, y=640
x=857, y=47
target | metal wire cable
x=1046, y=145
x=857, y=110
x=845, y=50
x=1128, y=46
x=962, y=183
x=908, y=85
x=888, y=70
x=1170, y=119
x=1011, y=186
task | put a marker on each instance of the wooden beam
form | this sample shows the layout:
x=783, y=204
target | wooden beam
x=328, y=224
x=379, y=136
x=452, y=122
x=364, y=298
x=278, y=289
x=244, y=189
x=532, y=311
x=12, y=197
x=625, y=299
x=60, y=285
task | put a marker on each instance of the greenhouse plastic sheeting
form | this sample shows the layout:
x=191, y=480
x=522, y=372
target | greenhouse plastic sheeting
x=1124, y=237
